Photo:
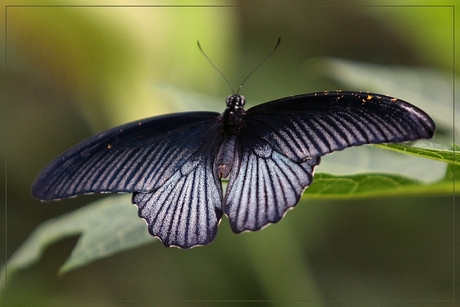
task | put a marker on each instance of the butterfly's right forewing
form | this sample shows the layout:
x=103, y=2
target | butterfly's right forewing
x=167, y=161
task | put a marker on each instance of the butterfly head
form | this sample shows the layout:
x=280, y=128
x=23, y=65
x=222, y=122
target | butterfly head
x=236, y=102
x=233, y=114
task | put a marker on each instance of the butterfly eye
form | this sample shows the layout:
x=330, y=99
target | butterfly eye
x=241, y=101
x=230, y=100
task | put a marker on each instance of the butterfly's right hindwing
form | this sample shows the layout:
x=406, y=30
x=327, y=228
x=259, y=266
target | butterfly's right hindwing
x=264, y=184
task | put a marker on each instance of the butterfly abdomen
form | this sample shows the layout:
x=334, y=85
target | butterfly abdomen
x=226, y=156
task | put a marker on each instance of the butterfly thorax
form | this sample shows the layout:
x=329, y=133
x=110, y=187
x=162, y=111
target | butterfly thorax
x=233, y=114
x=232, y=121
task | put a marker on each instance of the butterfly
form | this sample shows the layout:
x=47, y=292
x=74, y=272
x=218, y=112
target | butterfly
x=173, y=164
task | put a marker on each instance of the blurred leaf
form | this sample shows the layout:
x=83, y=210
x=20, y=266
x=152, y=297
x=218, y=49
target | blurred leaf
x=183, y=100
x=106, y=227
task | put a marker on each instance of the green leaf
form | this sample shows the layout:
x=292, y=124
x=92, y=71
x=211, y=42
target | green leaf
x=379, y=184
x=106, y=227
x=443, y=155
x=372, y=185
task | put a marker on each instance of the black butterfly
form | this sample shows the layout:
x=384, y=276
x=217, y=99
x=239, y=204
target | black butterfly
x=174, y=163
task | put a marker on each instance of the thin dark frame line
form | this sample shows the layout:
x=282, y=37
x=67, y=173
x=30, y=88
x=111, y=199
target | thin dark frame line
x=3, y=137
x=5, y=84
x=299, y=300
x=454, y=220
x=118, y=5
x=214, y=5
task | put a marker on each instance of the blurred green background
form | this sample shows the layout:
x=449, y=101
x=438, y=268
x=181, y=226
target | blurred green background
x=74, y=70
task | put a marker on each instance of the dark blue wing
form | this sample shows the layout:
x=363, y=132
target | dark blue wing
x=312, y=125
x=281, y=142
x=136, y=157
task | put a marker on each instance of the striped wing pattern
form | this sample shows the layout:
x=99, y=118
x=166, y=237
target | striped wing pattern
x=316, y=124
x=263, y=185
x=186, y=210
x=136, y=157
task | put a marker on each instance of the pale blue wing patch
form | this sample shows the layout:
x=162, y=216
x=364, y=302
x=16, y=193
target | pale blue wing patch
x=186, y=210
x=263, y=185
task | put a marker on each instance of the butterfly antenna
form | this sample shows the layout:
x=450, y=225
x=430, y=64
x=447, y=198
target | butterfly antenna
x=266, y=57
x=209, y=60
